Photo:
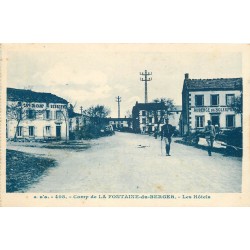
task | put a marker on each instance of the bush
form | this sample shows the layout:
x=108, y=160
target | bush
x=192, y=138
x=91, y=131
x=88, y=131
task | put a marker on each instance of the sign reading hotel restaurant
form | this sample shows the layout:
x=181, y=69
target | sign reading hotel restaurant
x=213, y=110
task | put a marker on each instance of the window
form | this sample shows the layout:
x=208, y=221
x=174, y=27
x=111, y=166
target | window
x=144, y=120
x=47, y=114
x=59, y=115
x=143, y=113
x=199, y=121
x=214, y=100
x=48, y=130
x=150, y=119
x=19, y=131
x=230, y=98
x=31, y=114
x=230, y=121
x=199, y=100
x=31, y=131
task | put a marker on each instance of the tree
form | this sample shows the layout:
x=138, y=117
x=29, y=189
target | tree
x=96, y=122
x=65, y=117
x=169, y=103
x=128, y=114
x=168, y=107
x=15, y=111
x=237, y=105
x=18, y=112
x=97, y=113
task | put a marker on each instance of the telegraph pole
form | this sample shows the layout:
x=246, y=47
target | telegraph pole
x=146, y=80
x=81, y=108
x=118, y=99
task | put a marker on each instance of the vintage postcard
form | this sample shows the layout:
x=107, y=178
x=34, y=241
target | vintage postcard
x=125, y=124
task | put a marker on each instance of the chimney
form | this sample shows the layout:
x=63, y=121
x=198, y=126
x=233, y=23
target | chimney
x=186, y=76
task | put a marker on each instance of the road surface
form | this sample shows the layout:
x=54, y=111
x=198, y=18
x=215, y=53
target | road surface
x=131, y=163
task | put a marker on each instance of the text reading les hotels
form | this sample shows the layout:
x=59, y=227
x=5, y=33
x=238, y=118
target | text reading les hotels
x=195, y=196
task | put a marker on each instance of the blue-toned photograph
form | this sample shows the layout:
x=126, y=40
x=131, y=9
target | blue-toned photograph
x=123, y=118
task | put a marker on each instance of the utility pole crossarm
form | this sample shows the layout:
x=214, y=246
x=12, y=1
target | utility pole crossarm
x=118, y=99
x=146, y=79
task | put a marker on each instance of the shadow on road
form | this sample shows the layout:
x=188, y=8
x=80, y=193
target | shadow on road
x=225, y=152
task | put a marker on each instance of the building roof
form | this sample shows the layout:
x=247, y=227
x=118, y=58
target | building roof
x=24, y=95
x=118, y=119
x=154, y=106
x=150, y=106
x=211, y=84
x=73, y=114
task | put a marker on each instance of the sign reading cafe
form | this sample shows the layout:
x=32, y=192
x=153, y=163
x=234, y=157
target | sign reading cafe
x=33, y=105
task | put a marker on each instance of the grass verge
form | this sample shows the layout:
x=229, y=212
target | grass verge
x=24, y=169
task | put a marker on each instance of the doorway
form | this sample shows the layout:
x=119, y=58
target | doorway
x=215, y=119
x=58, y=132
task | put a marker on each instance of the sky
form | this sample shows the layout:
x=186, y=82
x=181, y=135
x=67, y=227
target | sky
x=94, y=74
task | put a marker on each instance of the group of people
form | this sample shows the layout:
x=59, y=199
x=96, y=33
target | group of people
x=167, y=132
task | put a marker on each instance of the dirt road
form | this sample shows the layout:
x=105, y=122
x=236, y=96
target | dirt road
x=133, y=163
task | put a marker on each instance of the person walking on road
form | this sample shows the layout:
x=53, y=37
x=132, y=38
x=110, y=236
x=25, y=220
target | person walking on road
x=210, y=136
x=167, y=130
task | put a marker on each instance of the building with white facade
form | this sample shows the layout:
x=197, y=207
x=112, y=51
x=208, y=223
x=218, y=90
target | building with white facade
x=210, y=99
x=35, y=115
x=77, y=121
x=149, y=117
x=120, y=123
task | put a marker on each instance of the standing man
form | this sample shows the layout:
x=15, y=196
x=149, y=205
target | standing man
x=167, y=131
x=210, y=136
